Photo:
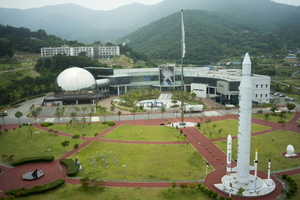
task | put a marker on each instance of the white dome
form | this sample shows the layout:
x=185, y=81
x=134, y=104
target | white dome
x=75, y=80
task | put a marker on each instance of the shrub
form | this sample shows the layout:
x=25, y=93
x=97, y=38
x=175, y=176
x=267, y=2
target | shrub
x=274, y=114
x=70, y=164
x=96, y=134
x=110, y=123
x=221, y=198
x=36, y=189
x=284, y=176
x=76, y=146
x=46, y=124
x=33, y=159
x=281, y=121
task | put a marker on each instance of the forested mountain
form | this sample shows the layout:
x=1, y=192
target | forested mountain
x=23, y=39
x=73, y=22
x=208, y=36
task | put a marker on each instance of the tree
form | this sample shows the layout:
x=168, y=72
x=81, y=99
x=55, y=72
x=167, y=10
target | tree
x=227, y=109
x=290, y=106
x=84, y=109
x=240, y=191
x=18, y=115
x=193, y=95
x=267, y=115
x=75, y=137
x=35, y=112
x=133, y=112
x=207, y=122
x=102, y=111
x=90, y=115
x=65, y=143
x=220, y=131
x=119, y=113
x=58, y=113
x=162, y=110
x=274, y=108
x=174, y=185
x=112, y=108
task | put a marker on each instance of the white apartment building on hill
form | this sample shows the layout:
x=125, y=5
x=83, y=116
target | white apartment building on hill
x=94, y=52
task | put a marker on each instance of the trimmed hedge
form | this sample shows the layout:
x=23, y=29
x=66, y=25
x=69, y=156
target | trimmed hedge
x=46, y=124
x=36, y=189
x=110, y=123
x=33, y=159
x=70, y=164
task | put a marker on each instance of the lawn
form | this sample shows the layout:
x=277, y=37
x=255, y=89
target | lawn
x=144, y=133
x=228, y=127
x=142, y=161
x=271, y=118
x=80, y=128
x=270, y=146
x=21, y=143
x=75, y=192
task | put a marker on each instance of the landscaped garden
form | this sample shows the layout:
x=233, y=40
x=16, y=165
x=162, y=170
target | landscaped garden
x=141, y=161
x=88, y=129
x=274, y=118
x=270, y=146
x=76, y=192
x=29, y=141
x=221, y=129
x=145, y=133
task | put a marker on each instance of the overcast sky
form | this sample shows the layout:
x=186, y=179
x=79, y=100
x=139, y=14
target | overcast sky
x=93, y=4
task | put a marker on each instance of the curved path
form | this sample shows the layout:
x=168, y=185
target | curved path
x=11, y=178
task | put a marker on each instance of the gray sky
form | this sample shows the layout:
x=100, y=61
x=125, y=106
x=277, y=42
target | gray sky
x=93, y=4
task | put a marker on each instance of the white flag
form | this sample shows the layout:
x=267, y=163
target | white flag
x=182, y=35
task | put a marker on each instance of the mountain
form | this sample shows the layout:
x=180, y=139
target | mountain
x=74, y=22
x=209, y=36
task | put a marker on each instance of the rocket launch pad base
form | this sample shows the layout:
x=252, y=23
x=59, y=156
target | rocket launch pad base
x=231, y=185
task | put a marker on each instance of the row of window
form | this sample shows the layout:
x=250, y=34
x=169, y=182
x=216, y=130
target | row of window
x=262, y=86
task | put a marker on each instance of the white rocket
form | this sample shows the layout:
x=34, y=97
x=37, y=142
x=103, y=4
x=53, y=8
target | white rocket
x=229, y=155
x=244, y=129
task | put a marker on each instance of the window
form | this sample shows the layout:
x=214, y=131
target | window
x=256, y=95
x=261, y=86
x=256, y=86
x=266, y=85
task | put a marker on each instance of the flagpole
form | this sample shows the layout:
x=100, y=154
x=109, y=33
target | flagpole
x=182, y=55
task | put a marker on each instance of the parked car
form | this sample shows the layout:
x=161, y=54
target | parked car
x=293, y=99
x=277, y=93
x=282, y=95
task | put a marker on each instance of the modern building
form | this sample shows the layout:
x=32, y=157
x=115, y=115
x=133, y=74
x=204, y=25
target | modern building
x=95, y=51
x=77, y=85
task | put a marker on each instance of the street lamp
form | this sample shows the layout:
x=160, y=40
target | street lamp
x=207, y=165
x=124, y=166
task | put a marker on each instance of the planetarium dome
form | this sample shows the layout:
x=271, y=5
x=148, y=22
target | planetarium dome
x=75, y=81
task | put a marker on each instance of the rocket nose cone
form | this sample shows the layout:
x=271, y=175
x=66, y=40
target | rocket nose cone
x=247, y=59
x=229, y=137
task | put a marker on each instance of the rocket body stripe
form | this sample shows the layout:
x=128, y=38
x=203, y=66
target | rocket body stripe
x=244, y=128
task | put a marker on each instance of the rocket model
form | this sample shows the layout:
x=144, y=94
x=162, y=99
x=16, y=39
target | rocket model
x=244, y=128
x=228, y=161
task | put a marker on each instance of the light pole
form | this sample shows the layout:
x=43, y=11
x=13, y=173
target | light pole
x=207, y=165
x=124, y=166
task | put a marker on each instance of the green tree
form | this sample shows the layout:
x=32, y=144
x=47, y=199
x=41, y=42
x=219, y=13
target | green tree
x=207, y=122
x=84, y=109
x=267, y=115
x=220, y=131
x=18, y=115
x=59, y=113
x=75, y=137
x=65, y=143
x=174, y=185
x=119, y=113
x=290, y=106
x=162, y=110
x=239, y=193
x=112, y=108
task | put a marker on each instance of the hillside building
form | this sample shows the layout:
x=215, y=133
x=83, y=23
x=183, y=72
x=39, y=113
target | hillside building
x=96, y=51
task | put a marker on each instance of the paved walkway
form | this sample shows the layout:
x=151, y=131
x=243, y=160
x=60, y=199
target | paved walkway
x=11, y=178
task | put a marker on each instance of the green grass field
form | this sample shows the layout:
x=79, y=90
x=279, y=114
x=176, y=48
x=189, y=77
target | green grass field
x=80, y=128
x=228, y=126
x=21, y=144
x=75, y=192
x=144, y=133
x=270, y=146
x=163, y=162
x=271, y=118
